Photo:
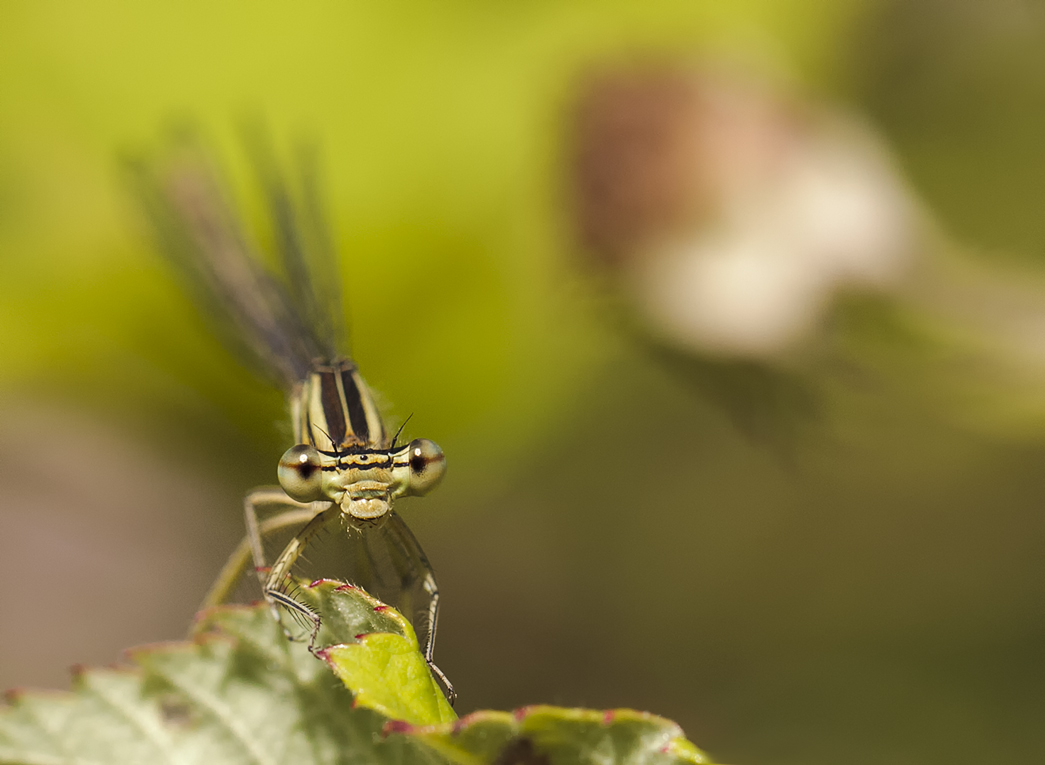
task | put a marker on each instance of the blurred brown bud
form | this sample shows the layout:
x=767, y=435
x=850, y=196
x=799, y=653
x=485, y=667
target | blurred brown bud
x=732, y=211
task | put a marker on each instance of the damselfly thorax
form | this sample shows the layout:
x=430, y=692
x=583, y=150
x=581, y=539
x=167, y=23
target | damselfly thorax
x=343, y=454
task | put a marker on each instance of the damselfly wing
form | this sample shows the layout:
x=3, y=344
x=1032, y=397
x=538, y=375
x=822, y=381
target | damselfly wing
x=332, y=515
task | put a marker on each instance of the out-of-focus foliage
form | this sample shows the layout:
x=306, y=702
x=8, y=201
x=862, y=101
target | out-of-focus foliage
x=437, y=127
x=563, y=735
x=957, y=86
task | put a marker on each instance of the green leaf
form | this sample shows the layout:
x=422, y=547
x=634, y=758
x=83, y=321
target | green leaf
x=387, y=674
x=240, y=692
x=555, y=736
x=382, y=666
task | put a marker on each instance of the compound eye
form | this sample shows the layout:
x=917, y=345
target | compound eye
x=301, y=474
x=427, y=466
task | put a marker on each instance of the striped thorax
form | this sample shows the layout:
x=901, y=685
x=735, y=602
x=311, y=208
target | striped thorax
x=343, y=453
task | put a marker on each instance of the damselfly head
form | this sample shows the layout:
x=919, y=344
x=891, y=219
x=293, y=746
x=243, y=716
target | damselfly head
x=364, y=483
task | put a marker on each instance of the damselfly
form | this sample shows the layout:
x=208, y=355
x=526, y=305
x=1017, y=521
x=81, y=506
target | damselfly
x=344, y=472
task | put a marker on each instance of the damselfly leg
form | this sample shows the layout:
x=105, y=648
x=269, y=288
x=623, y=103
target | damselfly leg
x=268, y=512
x=383, y=558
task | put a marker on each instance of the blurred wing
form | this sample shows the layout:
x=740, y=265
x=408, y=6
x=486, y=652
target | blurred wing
x=302, y=236
x=389, y=563
x=278, y=318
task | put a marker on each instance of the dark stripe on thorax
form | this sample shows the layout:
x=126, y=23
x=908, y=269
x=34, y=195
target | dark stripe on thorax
x=354, y=403
x=333, y=409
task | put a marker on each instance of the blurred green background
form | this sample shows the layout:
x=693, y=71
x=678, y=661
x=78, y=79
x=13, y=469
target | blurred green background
x=862, y=584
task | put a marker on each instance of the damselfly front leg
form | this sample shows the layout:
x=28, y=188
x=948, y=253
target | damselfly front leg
x=268, y=510
x=381, y=557
x=277, y=584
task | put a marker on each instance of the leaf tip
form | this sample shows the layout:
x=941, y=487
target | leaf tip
x=323, y=654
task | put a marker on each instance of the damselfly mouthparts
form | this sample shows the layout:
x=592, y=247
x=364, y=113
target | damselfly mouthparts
x=344, y=472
